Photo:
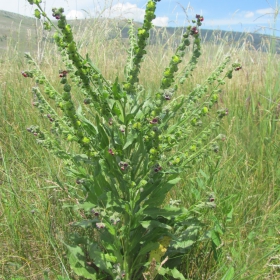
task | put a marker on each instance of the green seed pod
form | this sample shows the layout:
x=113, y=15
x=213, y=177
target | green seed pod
x=143, y=183
x=86, y=140
x=176, y=59
x=176, y=160
x=194, y=121
x=47, y=26
x=67, y=88
x=37, y=14
x=61, y=24
x=215, y=97
x=146, y=138
x=70, y=137
x=153, y=151
x=151, y=5
x=66, y=96
x=193, y=148
x=63, y=80
x=137, y=126
x=167, y=73
x=204, y=110
x=72, y=47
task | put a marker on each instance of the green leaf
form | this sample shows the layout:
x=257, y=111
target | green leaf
x=81, y=158
x=87, y=206
x=104, y=140
x=171, y=272
x=215, y=238
x=229, y=274
x=187, y=237
x=117, y=92
x=167, y=212
x=147, y=248
x=77, y=263
x=91, y=64
x=87, y=125
x=183, y=244
x=101, y=260
x=229, y=215
x=158, y=194
x=154, y=224
x=130, y=139
x=86, y=223
x=174, y=181
x=119, y=111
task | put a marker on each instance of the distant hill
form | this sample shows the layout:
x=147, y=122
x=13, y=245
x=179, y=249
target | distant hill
x=23, y=33
x=17, y=31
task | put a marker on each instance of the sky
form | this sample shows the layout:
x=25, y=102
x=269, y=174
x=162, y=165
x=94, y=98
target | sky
x=231, y=15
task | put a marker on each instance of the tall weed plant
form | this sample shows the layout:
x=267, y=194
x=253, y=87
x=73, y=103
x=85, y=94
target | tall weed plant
x=125, y=148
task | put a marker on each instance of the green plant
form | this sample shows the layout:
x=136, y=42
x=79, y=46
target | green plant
x=126, y=149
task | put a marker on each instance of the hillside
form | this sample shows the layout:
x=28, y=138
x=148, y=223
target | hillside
x=25, y=33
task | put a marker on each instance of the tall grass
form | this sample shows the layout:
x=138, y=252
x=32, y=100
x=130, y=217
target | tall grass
x=245, y=183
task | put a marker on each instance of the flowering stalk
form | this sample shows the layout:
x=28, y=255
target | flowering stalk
x=139, y=48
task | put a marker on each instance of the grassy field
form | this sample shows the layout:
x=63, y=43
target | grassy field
x=246, y=182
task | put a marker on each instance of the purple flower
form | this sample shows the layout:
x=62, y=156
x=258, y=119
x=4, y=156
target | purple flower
x=194, y=31
x=123, y=165
x=24, y=74
x=154, y=121
x=94, y=212
x=100, y=225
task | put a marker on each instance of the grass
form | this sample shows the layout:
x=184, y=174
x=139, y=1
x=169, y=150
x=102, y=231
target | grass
x=245, y=183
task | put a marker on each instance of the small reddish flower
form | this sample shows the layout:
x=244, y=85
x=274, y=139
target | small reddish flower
x=62, y=73
x=79, y=181
x=86, y=101
x=157, y=168
x=100, y=225
x=111, y=152
x=194, y=30
x=94, y=212
x=123, y=165
x=57, y=16
x=24, y=74
x=154, y=121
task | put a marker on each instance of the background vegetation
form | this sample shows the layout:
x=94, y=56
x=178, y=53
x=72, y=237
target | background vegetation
x=245, y=183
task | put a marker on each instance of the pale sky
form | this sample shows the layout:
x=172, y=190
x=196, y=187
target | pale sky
x=238, y=15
